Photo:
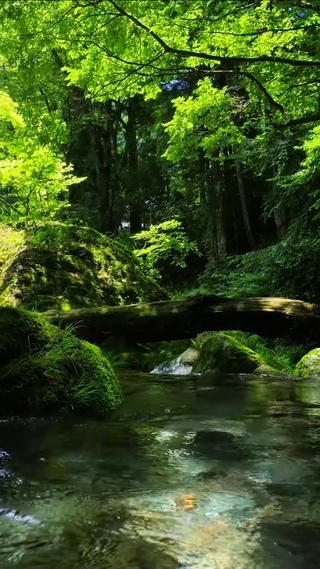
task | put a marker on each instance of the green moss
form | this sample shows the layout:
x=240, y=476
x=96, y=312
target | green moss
x=222, y=353
x=273, y=358
x=43, y=368
x=309, y=365
x=23, y=332
x=276, y=353
x=64, y=266
x=93, y=382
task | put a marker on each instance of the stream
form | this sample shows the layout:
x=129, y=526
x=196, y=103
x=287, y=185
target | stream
x=190, y=473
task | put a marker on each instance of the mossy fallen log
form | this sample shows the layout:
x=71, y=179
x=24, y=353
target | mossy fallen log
x=171, y=320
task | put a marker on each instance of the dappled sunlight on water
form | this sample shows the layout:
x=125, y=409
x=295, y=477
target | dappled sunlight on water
x=191, y=473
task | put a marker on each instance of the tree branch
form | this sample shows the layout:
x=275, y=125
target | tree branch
x=257, y=33
x=139, y=64
x=77, y=4
x=262, y=88
x=49, y=27
x=236, y=60
x=302, y=84
x=10, y=206
x=314, y=117
x=45, y=99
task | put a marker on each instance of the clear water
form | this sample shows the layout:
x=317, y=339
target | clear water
x=191, y=473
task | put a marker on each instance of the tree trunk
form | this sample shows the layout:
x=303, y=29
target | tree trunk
x=278, y=212
x=171, y=320
x=133, y=190
x=244, y=208
x=215, y=201
x=104, y=169
x=92, y=149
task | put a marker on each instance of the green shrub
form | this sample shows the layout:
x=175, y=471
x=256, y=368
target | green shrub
x=289, y=269
x=166, y=241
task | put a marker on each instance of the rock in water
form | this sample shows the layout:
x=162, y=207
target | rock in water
x=222, y=353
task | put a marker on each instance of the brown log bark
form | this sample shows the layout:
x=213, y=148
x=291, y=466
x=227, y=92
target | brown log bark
x=171, y=320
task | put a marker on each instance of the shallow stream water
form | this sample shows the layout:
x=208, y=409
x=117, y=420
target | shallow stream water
x=190, y=473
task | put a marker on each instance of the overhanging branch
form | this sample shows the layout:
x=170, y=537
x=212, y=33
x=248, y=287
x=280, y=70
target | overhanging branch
x=313, y=117
x=228, y=60
x=272, y=101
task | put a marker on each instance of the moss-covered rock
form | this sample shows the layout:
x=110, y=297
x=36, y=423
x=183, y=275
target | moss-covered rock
x=309, y=365
x=64, y=266
x=271, y=372
x=44, y=368
x=222, y=353
x=276, y=354
x=23, y=332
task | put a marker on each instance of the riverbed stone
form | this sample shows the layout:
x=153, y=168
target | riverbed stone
x=190, y=356
x=222, y=353
x=266, y=370
x=309, y=365
x=43, y=368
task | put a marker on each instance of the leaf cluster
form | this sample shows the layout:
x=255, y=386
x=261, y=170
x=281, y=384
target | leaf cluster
x=166, y=241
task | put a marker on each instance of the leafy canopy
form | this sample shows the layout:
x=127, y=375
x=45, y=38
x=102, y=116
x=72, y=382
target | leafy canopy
x=166, y=241
x=203, y=120
x=34, y=179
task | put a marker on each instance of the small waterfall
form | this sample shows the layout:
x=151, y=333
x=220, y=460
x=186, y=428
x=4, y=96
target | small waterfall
x=18, y=516
x=174, y=367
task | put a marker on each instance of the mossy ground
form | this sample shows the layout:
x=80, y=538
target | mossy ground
x=64, y=266
x=44, y=368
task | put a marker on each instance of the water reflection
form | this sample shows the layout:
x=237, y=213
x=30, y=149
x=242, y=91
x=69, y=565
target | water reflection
x=191, y=473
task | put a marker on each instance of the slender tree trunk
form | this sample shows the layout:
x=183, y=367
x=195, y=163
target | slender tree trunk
x=106, y=174
x=244, y=208
x=133, y=190
x=99, y=139
x=278, y=212
x=216, y=205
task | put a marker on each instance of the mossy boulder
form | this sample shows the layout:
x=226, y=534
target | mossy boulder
x=309, y=365
x=222, y=353
x=23, y=332
x=277, y=355
x=43, y=368
x=64, y=266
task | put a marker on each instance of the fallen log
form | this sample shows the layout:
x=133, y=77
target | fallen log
x=177, y=319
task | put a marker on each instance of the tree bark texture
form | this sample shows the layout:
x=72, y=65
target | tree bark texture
x=216, y=205
x=133, y=189
x=171, y=320
x=244, y=208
